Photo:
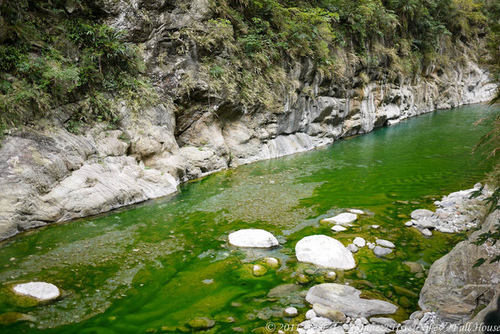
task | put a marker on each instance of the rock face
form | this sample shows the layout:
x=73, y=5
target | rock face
x=253, y=238
x=346, y=300
x=454, y=288
x=324, y=251
x=39, y=290
x=44, y=170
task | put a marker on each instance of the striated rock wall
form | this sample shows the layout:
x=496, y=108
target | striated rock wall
x=48, y=174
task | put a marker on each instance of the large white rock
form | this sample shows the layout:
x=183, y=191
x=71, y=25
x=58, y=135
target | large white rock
x=253, y=238
x=346, y=300
x=38, y=290
x=343, y=219
x=324, y=251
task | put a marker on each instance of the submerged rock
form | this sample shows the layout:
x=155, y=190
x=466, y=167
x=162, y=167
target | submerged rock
x=253, y=238
x=201, y=323
x=259, y=270
x=40, y=290
x=324, y=251
x=346, y=300
x=342, y=219
x=421, y=214
x=13, y=317
x=381, y=251
x=352, y=248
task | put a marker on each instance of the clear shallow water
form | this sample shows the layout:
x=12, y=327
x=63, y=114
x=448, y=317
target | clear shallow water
x=155, y=266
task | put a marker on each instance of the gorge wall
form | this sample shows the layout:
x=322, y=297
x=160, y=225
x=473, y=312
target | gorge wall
x=50, y=175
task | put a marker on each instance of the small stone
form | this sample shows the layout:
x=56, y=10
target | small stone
x=381, y=251
x=338, y=228
x=421, y=214
x=385, y=243
x=331, y=275
x=303, y=279
x=272, y=262
x=352, y=248
x=375, y=226
x=359, y=242
x=291, y=312
x=332, y=314
x=342, y=219
x=413, y=267
x=426, y=232
x=409, y=223
x=310, y=314
x=356, y=211
x=387, y=322
x=371, y=245
x=201, y=323
x=259, y=270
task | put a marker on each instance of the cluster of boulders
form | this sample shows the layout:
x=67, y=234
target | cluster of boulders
x=338, y=308
x=456, y=212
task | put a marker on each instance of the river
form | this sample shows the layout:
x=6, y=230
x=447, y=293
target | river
x=153, y=267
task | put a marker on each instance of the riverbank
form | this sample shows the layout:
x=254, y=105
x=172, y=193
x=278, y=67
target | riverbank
x=456, y=295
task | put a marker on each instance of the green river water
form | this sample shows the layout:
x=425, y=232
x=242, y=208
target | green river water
x=154, y=266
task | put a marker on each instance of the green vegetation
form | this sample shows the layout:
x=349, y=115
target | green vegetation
x=247, y=46
x=50, y=57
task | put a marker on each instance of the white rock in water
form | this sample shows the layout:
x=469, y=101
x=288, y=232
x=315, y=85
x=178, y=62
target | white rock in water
x=324, y=251
x=426, y=232
x=409, y=224
x=381, y=251
x=291, y=312
x=421, y=214
x=356, y=211
x=385, y=243
x=342, y=219
x=253, y=238
x=346, y=300
x=360, y=242
x=338, y=228
x=352, y=248
x=310, y=314
x=38, y=290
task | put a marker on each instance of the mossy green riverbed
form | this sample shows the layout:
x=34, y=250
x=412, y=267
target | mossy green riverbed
x=155, y=266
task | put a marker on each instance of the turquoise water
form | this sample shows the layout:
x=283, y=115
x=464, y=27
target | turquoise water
x=155, y=266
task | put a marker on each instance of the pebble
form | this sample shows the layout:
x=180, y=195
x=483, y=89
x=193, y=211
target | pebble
x=359, y=242
x=426, y=232
x=338, y=228
x=291, y=312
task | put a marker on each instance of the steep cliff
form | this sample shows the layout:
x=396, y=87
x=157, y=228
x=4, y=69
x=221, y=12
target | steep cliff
x=201, y=120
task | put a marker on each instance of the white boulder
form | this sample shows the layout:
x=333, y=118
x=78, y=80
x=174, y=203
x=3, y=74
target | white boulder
x=338, y=228
x=343, y=219
x=39, y=290
x=253, y=238
x=324, y=251
x=360, y=242
x=385, y=243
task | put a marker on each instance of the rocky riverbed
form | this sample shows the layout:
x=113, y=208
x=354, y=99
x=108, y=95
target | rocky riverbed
x=456, y=295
